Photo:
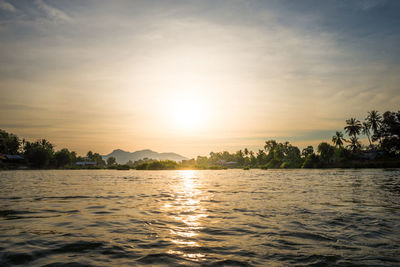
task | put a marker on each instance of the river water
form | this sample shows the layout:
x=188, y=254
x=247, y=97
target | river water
x=200, y=218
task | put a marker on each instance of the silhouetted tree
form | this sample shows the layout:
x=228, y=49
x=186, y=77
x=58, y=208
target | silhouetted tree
x=390, y=133
x=111, y=161
x=307, y=151
x=338, y=139
x=365, y=130
x=312, y=161
x=374, y=119
x=89, y=154
x=261, y=157
x=353, y=127
x=270, y=145
x=63, y=158
x=239, y=157
x=39, y=153
x=354, y=144
x=9, y=143
x=326, y=151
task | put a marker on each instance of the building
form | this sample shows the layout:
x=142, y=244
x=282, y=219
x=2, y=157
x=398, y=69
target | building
x=13, y=161
x=86, y=163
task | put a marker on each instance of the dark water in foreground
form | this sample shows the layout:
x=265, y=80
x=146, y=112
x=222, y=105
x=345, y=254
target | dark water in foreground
x=231, y=218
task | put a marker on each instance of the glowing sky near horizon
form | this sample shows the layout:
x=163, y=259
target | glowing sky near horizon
x=194, y=76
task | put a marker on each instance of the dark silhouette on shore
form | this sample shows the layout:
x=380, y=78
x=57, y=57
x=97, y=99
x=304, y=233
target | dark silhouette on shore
x=383, y=151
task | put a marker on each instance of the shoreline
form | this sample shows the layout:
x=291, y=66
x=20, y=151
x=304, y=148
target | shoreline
x=194, y=169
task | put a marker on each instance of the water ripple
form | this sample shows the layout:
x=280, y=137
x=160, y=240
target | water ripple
x=200, y=218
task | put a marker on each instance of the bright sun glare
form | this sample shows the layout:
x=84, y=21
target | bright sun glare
x=188, y=113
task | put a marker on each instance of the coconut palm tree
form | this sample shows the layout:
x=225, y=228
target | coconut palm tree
x=375, y=121
x=353, y=127
x=354, y=144
x=269, y=145
x=338, y=139
x=246, y=151
x=365, y=130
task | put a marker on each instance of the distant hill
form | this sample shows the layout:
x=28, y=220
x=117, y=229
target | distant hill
x=123, y=157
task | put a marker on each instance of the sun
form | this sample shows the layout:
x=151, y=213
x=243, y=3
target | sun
x=188, y=113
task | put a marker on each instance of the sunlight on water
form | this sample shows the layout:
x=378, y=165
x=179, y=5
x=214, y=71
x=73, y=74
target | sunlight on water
x=200, y=218
x=187, y=203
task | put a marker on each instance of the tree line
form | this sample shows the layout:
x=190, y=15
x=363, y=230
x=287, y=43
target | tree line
x=40, y=154
x=382, y=150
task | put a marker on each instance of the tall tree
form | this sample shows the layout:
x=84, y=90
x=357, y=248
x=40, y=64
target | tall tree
x=353, y=127
x=63, y=158
x=374, y=119
x=9, y=143
x=111, y=161
x=253, y=159
x=338, y=139
x=365, y=130
x=39, y=153
x=261, y=157
x=307, y=151
x=354, y=144
x=390, y=133
x=239, y=157
x=270, y=145
x=246, y=151
x=326, y=151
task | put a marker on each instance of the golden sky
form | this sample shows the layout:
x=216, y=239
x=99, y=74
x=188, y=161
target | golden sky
x=194, y=76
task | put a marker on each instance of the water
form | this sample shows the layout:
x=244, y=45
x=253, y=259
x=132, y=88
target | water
x=200, y=218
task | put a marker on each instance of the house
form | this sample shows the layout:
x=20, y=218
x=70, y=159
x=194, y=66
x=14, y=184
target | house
x=227, y=163
x=86, y=163
x=370, y=155
x=11, y=158
x=13, y=161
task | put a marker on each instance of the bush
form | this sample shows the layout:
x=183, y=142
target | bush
x=312, y=161
x=273, y=164
x=158, y=165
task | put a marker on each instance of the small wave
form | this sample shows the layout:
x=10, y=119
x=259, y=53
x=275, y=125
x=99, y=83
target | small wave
x=230, y=263
x=310, y=236
x=162, y=258
x=80, y=246
x=67, y=264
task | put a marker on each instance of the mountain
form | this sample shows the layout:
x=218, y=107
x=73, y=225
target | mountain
x=123, y=157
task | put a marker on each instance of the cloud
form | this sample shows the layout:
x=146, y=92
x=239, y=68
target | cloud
x=264, y=69
x=7, y=6
x=369, y=4
x=53, y=12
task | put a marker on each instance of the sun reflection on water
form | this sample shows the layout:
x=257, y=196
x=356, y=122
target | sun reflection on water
x=186, y=209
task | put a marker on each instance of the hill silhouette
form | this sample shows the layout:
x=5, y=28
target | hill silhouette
x=123, y=157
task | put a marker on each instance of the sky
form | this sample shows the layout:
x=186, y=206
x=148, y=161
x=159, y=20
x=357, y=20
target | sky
x=194, y=76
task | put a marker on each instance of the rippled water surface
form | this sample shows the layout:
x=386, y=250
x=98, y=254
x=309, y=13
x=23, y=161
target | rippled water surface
x=231, y=218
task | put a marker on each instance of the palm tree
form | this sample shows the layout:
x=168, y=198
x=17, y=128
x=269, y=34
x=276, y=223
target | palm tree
x=365, y=130
x=353, y=127
x=246, y=151
x=269, y=145
x=374, y=119
x=338, y=139
x=354, y=144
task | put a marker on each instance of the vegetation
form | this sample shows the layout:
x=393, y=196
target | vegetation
x=382, y=151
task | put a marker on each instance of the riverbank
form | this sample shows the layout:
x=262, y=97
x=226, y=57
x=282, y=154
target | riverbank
x=159, y=165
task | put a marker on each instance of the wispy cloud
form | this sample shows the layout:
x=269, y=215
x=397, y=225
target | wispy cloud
x=263, y=69
x=53, y=12
x=7, y=6
x=369, y=4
